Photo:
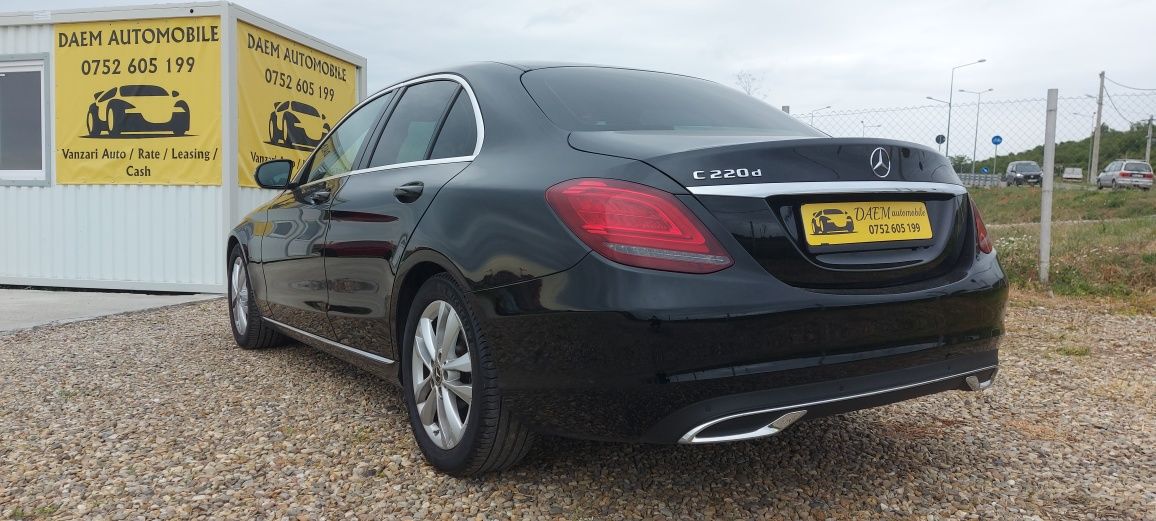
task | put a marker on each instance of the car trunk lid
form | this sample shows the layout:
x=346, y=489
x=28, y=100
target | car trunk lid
x=833, y=214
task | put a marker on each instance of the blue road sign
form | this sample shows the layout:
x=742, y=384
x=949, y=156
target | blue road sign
x=996, y=139
x=984, y=170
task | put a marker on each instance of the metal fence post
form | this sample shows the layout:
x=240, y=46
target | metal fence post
x=1048, y=180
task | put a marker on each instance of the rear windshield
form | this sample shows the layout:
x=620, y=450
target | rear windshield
x=1137, y=167
x=302, y=108
x=142, y=90
x=595, y=98
x=1027, y=167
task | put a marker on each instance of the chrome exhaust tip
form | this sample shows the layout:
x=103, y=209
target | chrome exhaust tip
x=776, y=426
x=974, y=384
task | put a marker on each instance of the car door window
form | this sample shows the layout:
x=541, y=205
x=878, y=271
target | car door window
x=336, y=154
x=459, y=133
x=411, y=127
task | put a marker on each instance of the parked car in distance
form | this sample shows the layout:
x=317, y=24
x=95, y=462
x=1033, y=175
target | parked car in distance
x=1126, y=173
x=618, y=255
x=1023, y=172
x=1073, y=175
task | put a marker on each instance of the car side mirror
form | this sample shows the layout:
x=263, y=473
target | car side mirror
x=175, y=94
x=274, y=174
x=97, y=95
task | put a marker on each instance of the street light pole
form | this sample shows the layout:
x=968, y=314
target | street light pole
x=975, y=144
x=817, y=110
x=950, y=100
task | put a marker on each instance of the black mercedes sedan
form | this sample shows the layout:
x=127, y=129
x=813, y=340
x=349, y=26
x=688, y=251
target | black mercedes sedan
x=616, y=254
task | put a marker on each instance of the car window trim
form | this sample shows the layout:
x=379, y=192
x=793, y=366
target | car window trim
x=481, y=127
x=437, y=133
x=365, y=154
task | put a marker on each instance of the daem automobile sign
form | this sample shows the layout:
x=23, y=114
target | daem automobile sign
x=289, y=97
x=138, y=102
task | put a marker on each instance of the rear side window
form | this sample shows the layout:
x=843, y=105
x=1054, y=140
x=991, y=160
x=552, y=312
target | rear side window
x=1138, y=167
x=595, y=98
x=459, y=133
x=411, y=127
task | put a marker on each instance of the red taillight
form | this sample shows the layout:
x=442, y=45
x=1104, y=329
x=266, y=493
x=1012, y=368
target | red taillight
x=981, y=239
x=637, y=225
x=1148, y=175
x=1125, y=174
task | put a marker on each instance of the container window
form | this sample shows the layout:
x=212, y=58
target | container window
x=22, y=122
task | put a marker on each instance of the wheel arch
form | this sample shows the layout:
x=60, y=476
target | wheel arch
x=414, y=271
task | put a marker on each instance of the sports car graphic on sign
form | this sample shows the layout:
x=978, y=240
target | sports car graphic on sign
x=137, y=111
x=832, y=220
x=293, y=124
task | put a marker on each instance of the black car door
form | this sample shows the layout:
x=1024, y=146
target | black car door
x=430, y=136
x=292, y=250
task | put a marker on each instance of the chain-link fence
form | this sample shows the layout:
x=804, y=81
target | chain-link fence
x=1019, y=123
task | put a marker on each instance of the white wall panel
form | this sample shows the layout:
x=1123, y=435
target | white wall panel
x=164, y=238
x=250, y=198
x=25, y=39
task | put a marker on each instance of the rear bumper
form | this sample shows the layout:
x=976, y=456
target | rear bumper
x=603, y=351
x=748, y=416
x=1136, y=182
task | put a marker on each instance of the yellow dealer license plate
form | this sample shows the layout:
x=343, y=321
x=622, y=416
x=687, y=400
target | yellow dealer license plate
x=828, y=224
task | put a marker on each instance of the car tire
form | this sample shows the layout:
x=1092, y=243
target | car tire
x=287, y=133
x=93, y=123
x=249, y=330
x=490, y=437
x=1113, y=184
x=115, y=121
x=274, y=135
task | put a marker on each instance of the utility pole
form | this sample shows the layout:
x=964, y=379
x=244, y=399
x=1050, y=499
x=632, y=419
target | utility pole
x=1148, y=147
x=1095, y=169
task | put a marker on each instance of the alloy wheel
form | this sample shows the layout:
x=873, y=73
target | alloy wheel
x=441, y=374
x=239, y=295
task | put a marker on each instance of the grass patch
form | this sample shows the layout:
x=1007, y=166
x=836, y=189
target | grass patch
x=36, y=513
x=1022, y=204
x=1073, y=350
x=1100, y=259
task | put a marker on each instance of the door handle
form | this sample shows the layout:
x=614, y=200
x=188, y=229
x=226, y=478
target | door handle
x=318, y=196
x=409, y=192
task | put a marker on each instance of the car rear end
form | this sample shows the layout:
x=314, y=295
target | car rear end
x=710, y=309
x=1135, y=174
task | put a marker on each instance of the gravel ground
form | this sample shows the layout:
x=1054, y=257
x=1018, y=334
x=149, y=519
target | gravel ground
x=157, y=415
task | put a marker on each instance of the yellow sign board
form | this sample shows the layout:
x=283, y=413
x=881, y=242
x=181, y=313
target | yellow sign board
x=288, y=98
x=139, y=102
x=876, y=221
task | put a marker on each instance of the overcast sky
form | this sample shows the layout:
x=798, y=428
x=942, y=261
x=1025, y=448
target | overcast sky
x=849, y=54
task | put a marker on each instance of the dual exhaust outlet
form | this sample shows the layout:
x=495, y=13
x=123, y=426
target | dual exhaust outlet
x=780, y=423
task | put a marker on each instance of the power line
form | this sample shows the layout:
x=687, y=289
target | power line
x=1125, y=86
x=1113, y=102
